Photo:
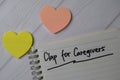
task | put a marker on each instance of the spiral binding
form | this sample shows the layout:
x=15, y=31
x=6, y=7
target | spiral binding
x=35, y=67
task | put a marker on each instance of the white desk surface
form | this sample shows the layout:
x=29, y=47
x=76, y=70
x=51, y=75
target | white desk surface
x=17, y=15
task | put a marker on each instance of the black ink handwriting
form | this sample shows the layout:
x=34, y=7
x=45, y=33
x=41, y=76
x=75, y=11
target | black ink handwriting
x=48, y=57
x=65, y=54
x=87, y=53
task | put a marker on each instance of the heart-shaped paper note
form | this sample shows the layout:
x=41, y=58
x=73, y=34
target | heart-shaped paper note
x=55, y=19
x=17, y=44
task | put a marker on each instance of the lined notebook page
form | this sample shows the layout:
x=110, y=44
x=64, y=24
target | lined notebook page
x=92, y=57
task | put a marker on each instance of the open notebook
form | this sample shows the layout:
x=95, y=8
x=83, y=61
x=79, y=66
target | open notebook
x=90, y=57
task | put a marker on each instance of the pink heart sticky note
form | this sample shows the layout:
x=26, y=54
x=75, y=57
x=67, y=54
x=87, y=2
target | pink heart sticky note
x=55, y=20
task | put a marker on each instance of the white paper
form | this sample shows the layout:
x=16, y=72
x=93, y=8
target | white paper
x=91, y=57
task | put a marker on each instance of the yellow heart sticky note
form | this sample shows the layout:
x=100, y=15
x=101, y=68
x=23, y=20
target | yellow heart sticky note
x=17, y=44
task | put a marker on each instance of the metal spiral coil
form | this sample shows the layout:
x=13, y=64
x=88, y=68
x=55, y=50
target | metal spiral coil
x=35, y=67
